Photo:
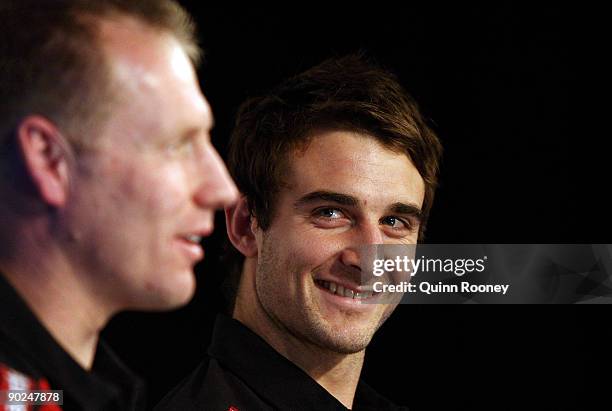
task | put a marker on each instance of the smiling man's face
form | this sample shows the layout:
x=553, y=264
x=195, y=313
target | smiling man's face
x=344, y=191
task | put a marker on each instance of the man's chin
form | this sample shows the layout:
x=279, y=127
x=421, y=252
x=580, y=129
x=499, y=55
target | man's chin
x=170, y=297
x=343, y=340
x=347, y=347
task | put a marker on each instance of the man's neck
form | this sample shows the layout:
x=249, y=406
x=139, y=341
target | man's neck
x=338, y=373
x=56, y=296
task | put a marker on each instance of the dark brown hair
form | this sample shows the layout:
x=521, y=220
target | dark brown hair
x=349, y=93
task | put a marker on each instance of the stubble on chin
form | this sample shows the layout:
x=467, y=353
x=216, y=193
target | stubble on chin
x=301, y=317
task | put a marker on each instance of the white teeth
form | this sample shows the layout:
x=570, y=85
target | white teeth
x=344, y=292
x=194, y=238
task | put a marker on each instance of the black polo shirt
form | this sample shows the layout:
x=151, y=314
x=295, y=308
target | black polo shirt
x=243, y=373
x=29, y=354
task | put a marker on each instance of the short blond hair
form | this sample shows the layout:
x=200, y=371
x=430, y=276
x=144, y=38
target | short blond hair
x=51, y=64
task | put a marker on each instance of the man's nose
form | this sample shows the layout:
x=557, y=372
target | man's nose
x=217, y=189
x=361, y=244
x=369, y=233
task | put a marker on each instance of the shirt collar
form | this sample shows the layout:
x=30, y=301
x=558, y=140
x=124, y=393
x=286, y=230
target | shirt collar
x=109, y=381
x=276, y=379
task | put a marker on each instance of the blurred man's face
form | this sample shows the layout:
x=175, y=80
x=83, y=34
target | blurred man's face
x=145, y=195
x=345, y=191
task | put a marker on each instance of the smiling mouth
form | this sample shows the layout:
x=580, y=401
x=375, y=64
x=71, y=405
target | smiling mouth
x=193, y=238
x=339, y=290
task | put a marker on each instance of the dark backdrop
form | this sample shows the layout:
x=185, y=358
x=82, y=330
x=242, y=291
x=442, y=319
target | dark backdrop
x=521, y=165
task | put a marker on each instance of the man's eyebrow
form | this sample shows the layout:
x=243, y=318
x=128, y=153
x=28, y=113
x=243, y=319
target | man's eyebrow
x=406, y=209
x=327, y=196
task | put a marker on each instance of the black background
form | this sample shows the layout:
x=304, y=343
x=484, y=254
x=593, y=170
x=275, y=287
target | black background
x=521, y=165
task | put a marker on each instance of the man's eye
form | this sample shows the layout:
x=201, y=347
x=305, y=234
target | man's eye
x=329, y=213
x=396, y=223
x=330, y=217
x=183, y=145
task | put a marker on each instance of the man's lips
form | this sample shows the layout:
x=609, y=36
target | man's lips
x=345, y=289
x=191, y=248
x=190, y=242
x=337, y=289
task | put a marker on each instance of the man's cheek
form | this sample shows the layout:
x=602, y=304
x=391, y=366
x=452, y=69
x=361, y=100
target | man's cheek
x=314, y=253
x=325, y=243
x=164, y=193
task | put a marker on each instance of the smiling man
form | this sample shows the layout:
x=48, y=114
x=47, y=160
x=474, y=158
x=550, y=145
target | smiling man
x=334, y=159
x=108, y=183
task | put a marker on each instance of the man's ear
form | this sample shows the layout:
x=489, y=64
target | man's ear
x=240, y=228
x=44, y=151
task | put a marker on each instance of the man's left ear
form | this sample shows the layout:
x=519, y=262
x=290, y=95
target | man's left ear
x=44, y=152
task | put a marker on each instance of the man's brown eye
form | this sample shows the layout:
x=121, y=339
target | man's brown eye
x=330, y=213
x=395, y=222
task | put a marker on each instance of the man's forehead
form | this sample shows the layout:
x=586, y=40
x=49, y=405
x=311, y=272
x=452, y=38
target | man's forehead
x=151, y=63
x=356, y=165
x=131, y=41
